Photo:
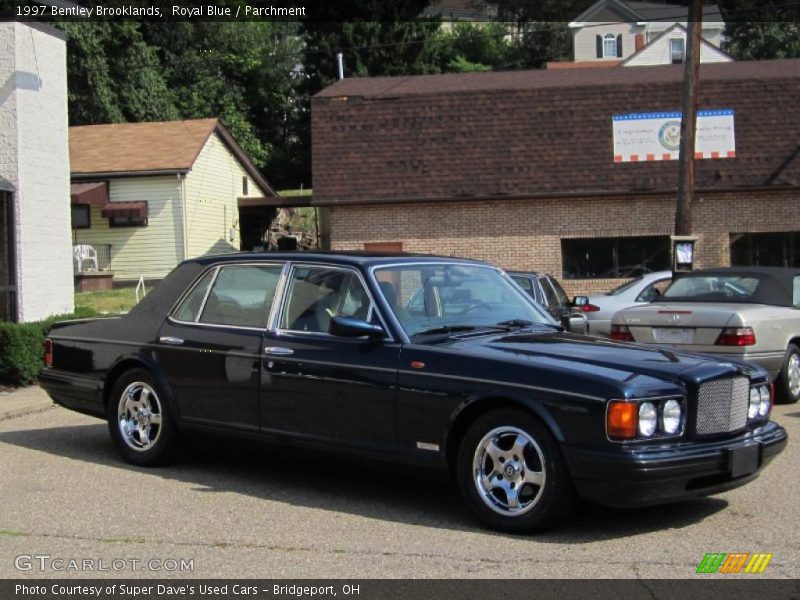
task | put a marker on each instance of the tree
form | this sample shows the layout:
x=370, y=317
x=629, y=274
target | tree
x=114, y=76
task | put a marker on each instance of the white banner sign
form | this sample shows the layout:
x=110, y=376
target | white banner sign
x=657, y=136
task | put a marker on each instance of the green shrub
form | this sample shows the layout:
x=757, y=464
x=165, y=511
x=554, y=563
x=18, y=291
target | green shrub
x=22, y=345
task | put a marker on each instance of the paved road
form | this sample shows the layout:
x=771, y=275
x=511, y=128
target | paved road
x=242, y=512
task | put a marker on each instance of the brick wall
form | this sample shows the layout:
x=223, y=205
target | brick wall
x=526, y=234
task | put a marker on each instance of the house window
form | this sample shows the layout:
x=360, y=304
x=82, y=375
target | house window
x=677, y=50
x=588, y=258
x=80, y=216
x=765, y=249
x=244, y=186
x=119, y=221
x=8, y=310
x=610, y=46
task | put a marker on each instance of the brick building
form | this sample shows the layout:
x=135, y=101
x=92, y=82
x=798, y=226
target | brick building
x=518, y=168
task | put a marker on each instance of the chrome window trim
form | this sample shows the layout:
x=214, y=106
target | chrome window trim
x=218, y=267
x=401, y=330
x=292, y=266
x=207, y=294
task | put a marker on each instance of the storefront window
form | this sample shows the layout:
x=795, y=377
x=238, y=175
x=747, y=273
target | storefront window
x=611, y=258
x=780, y=249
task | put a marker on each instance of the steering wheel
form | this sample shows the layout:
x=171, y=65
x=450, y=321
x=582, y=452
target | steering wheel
x=474, y=306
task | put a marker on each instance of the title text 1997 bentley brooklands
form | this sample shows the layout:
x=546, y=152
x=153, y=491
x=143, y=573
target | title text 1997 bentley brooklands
x=425, y=360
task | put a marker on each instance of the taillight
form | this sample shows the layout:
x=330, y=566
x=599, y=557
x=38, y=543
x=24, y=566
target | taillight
x=736, y=336
x=621, y=333
x=48, y=352
x=588, y=308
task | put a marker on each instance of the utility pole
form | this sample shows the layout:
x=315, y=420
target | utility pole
x=691, y=76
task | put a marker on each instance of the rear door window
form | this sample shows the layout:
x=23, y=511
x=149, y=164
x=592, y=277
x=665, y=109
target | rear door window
x=242, y=296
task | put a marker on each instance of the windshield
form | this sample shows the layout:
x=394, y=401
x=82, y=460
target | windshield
x=430, y=299
x=712, y=288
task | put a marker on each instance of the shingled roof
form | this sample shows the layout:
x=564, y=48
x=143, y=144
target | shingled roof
x=541, y=133
x=165, y=147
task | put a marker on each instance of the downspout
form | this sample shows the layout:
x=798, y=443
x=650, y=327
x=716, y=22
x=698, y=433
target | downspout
x=182, y=178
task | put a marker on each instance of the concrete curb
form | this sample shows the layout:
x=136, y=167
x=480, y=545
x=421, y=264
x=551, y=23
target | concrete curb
x=24, y=401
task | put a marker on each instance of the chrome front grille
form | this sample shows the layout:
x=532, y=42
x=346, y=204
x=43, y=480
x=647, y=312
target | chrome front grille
x=722, y=405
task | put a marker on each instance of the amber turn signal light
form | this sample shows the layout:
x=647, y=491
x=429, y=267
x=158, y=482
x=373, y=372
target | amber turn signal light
x=622, y=419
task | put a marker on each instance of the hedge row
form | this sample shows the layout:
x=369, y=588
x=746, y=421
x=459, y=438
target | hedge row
x=22, y=347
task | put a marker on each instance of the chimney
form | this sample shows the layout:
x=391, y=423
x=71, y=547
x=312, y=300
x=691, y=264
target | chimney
x=639, y=41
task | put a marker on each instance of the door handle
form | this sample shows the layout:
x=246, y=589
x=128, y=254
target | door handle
x=172, y=341
x=278, y=351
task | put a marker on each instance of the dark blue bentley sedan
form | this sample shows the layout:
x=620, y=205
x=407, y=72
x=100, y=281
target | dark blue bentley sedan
x=427, y=360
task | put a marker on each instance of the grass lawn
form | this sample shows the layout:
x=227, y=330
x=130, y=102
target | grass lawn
x=107, y=302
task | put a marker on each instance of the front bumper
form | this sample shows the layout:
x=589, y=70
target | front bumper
x=638, y=476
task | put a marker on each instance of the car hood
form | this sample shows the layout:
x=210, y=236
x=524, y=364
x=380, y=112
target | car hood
x=636, y=368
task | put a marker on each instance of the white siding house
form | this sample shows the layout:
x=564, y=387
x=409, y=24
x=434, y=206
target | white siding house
x=157, y=193
x=615, y=30
x=670, y=48
x=35, y=252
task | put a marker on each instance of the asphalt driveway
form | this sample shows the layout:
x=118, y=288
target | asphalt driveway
x=231, y=510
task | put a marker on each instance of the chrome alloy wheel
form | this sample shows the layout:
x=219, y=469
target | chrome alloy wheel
x=509, y=471
x=139, y=416
x=793, y=374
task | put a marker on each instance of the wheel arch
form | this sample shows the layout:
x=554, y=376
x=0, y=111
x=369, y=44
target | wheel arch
x=135, y=361
x=474, y=407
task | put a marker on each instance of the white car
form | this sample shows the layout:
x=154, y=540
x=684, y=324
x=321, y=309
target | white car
x=599, y=308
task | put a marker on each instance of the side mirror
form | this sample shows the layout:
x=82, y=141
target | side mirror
x=580, y=300
x=575, y=323
x=355, y=328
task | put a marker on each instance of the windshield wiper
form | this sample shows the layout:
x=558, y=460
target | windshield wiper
x=514, y=323
x=444, y=329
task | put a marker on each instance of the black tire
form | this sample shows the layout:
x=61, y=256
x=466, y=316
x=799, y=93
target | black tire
x=784, y=382
x=540, y=507
x=153, y=439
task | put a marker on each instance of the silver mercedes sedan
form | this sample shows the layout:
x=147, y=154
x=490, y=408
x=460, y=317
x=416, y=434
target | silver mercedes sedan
x=599, y=308
x=747, y=313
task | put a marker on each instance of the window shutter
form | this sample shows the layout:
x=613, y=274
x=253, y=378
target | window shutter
x=619, y=46
x=599, y=41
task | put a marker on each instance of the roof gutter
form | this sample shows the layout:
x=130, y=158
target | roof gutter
x=121, y=174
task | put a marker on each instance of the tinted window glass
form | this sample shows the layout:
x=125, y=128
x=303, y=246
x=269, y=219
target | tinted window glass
x=561, y=295
x=190, y=307
x=242, y=296
x=525, y=283
x=549, y=293
x=779, y=249
x=625, y=286
x=428, y=297
x=316, y=294
x=711, y=288
x=614, y=257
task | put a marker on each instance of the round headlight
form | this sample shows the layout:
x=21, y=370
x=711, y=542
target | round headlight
x=671, y=416
x=764, y=405
x=755, y=402
x=647, y=419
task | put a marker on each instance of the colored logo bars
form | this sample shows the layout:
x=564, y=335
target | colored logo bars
x=736, y=562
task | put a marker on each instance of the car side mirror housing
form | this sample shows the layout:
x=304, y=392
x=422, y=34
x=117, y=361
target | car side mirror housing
x=580, y=300
x=355, y=328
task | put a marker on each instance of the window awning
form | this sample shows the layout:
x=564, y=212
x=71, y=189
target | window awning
x=125, y=209
x=94, y=194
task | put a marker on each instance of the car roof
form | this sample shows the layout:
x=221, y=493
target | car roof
x=358, y=258
x=528, y=273
x=775, y=284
